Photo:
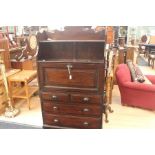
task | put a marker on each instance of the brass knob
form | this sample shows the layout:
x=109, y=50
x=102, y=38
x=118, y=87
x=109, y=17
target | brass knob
x=56, y=120
x=85, y=123
x=54, y=97
x=85, y=109
x=85, y=99
x=55, y=108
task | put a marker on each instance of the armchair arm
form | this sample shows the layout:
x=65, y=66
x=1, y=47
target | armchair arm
x=151, y=78
x=140, y=86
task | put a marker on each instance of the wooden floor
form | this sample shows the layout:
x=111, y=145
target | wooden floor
x=128, y=117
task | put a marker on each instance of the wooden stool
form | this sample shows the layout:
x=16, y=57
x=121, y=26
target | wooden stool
x=19, y=85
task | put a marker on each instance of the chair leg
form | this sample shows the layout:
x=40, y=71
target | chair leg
x=153, y=63
x=149, y=62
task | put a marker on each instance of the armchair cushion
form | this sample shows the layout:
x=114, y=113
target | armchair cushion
x=132, y=70
x=136, y=73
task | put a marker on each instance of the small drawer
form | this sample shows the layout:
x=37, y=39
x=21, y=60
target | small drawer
x=72, y=121
x=84, y=110
x=81, y=98
x=55, y=97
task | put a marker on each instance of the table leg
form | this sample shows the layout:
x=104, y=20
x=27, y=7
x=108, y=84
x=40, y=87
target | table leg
x=153, y=63
x=27, y=94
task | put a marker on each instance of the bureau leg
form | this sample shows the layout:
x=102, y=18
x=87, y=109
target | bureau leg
x=28, y=101
x=106, y=117
x=110, y=109
x=107, y=109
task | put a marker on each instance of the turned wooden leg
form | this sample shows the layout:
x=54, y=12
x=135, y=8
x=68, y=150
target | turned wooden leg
x=106, y=114
x=153, y=63
x=27, y=94
x=148, y=61
x=110, y=110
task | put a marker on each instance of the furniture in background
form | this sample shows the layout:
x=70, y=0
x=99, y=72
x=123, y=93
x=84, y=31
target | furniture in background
x=20, y=87
x=3, y=98
x=150, y=48
x=25, y=57
x=121, y=41
x=71, y=82
x=151, y=60
x=28, y=64
x=109, y=80
x=5, y=59
x=130, y=53
x=141, y=48
x=115, y=63
x=133, y=93
x=122, y=55
x=125, y=53
x=109, y=35
x=146, y=46
x=4, y=52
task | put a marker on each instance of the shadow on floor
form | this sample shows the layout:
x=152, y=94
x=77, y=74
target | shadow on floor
x=11, y=125
x=141, y=61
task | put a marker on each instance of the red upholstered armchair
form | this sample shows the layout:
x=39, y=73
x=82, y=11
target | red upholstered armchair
x=134, y=93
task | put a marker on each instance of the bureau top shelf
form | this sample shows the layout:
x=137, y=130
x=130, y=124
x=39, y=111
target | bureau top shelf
x=75, y=50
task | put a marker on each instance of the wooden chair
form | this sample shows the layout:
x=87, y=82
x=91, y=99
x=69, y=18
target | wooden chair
x=141, y=48
x=151, y=59
x=19, y=85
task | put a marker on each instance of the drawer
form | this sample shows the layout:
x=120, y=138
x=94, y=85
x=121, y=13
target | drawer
x=72, y=121
x=64, y=109
x=79, y=76
x=55, y=97
x=86, y=99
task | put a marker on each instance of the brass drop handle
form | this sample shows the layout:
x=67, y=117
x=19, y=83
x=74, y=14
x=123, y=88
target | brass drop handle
x=85, y=123
x=69, y=71
x=55, y=108
x=55, y=120
x=85, y=109
x=86, y=99
x=54, y=97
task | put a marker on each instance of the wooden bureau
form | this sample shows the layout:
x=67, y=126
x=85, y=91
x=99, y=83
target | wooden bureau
x=71, y=83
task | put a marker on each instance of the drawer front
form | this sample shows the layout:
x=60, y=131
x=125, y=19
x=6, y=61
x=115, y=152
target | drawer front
x=86, y=99
x=95, y=111
x=71, y=121
x=79, y=76
x=55, y=97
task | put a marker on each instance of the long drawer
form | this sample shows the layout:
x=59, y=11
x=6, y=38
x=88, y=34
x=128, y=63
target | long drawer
x=65, y=109
x=72, y=121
